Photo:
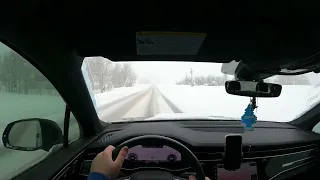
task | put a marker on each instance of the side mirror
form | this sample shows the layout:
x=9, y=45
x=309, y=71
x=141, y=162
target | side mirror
x=32, y=135
x=253, y=89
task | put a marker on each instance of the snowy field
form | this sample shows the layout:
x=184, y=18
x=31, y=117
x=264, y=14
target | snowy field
x=214, y=101
x=135, y=102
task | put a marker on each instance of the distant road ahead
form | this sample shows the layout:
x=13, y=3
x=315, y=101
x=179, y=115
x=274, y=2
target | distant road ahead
x=140, y=106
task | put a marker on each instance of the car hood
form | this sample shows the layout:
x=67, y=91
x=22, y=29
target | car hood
x=188, y=116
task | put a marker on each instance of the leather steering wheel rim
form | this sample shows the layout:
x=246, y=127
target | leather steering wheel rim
x=186, y=154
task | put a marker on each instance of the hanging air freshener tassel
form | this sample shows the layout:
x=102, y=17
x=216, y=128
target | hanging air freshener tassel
x=248, y=119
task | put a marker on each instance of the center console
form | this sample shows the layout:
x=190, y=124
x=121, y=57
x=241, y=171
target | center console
x=247, y=171
x=263, y=165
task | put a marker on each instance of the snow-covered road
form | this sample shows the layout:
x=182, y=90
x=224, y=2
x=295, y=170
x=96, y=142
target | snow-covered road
x=139, y=106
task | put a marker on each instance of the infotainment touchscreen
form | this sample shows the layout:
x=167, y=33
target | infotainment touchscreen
x=247, y=171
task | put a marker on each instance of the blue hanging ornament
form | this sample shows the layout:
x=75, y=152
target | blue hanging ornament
x=248, y=119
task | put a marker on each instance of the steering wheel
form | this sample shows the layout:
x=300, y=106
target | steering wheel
x=186, y=156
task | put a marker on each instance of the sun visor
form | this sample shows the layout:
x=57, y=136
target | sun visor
x=151, y=46
x=256, y=44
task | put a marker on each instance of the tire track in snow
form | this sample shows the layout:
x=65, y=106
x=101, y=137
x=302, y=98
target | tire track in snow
x=151, y=105
x=116, y=101
x=122, y=110
x=174, y=108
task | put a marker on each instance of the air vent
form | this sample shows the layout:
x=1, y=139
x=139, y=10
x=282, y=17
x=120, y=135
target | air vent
x=257, y=153
x=312, y=150
x=204, y=156
x=106, y=137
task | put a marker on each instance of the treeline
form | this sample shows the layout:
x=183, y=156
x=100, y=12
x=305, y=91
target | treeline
x=289, y=80
x=17, y=75
x=209, y=80
x=106, y=75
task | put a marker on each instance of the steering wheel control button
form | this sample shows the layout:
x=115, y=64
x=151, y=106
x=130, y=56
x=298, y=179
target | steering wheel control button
x=172, y=158
x=132, y=157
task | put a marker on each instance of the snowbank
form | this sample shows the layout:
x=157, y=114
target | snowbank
x=117, y=93
x=214, y=101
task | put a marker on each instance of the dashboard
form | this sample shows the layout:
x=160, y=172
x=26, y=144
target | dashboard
x=139, y=155
x=271, y=151
x=165, y=154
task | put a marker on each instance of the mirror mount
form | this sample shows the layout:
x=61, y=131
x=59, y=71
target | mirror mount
x=254, y=103
x=32, y=134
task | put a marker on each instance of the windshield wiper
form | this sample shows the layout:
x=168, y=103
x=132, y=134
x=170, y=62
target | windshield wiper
x=223, y=118
x=134, y=118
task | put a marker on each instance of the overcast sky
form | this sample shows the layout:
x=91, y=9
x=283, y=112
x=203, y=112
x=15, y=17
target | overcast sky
x=170, y=72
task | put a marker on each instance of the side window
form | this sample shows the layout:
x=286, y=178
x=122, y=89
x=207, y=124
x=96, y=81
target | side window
x=26, y=94
x=74, y=130
x=316, y=128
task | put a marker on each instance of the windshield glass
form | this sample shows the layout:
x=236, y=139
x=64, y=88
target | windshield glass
x=129, y=91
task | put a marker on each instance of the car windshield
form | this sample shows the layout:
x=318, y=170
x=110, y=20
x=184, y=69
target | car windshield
x=131, y=91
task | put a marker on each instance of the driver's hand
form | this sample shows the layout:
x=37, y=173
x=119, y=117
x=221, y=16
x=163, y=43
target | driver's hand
x=194, y=178
x=104, y=164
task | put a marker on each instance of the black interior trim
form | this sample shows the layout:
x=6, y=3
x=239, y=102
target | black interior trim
x=278, y=176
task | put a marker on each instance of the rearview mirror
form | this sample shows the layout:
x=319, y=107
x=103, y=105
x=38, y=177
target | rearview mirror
x=253, y=89
x=32, y=134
